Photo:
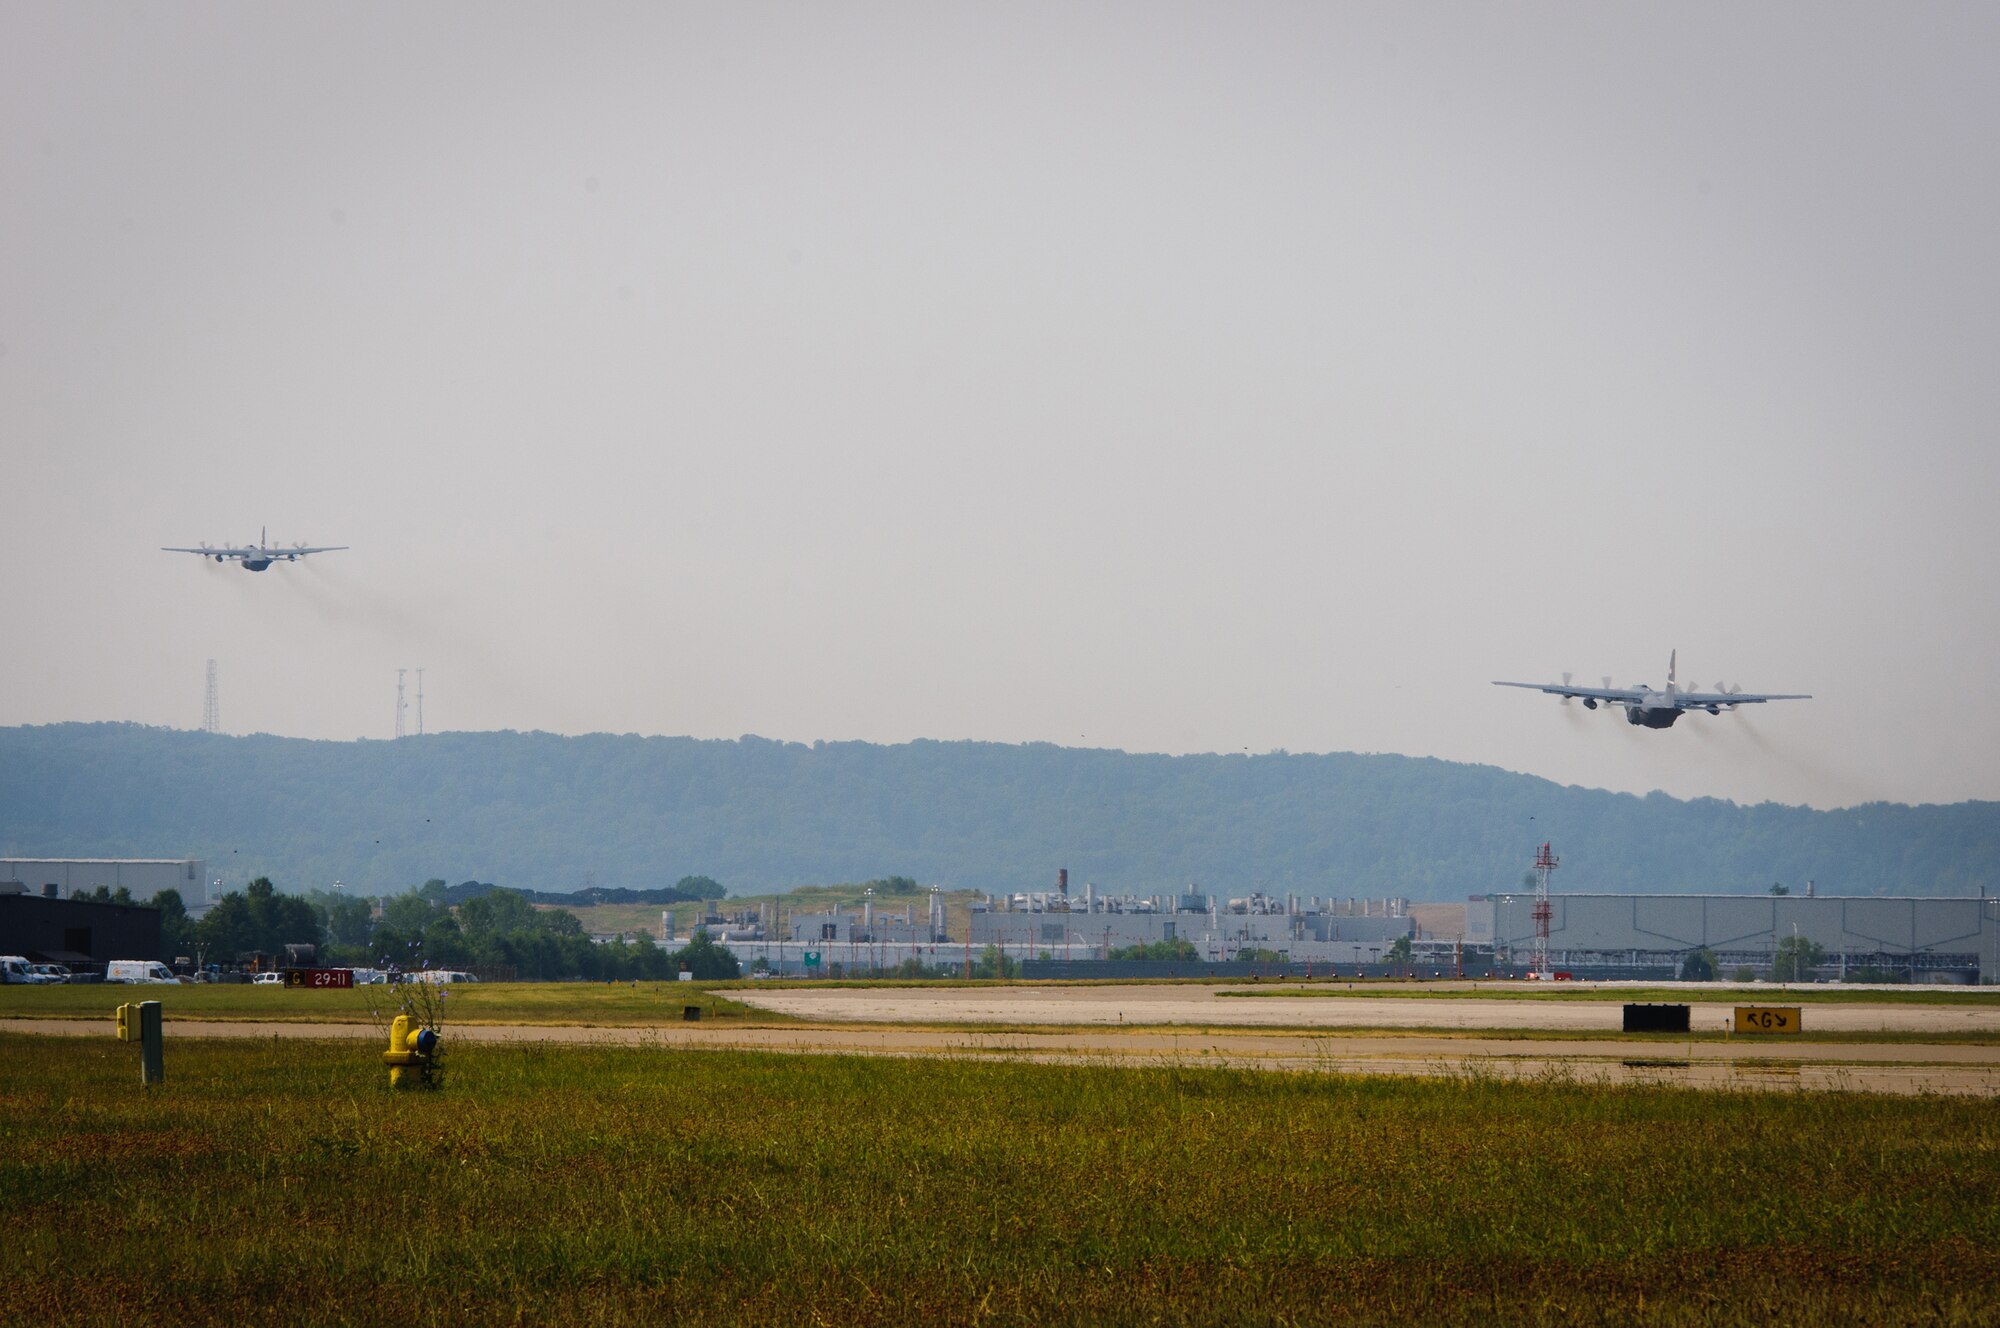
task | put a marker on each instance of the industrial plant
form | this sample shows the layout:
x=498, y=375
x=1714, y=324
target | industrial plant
x=1530, y=933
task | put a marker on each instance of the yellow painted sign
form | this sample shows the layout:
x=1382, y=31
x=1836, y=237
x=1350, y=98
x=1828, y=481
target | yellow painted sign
x=1767, y=1018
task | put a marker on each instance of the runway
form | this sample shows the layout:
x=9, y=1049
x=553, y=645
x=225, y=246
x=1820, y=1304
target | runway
x=1354, y=1006
x=1176, y=1025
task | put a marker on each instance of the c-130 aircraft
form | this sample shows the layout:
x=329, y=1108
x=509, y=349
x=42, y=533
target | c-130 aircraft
x=256, y=557
x=1655, y=710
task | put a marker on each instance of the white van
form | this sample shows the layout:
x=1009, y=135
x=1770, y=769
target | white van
x=444, y=975
x=138, y=971
x=14, y=968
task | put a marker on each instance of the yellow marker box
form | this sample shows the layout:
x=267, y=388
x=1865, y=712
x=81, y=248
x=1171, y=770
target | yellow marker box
x=1767, y=1019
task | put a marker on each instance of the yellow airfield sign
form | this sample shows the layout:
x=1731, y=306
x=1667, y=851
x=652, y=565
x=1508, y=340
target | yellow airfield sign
x=1767, y=1018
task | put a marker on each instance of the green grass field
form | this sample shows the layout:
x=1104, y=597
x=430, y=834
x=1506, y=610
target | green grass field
x=282, y=1182
x=622, y=1004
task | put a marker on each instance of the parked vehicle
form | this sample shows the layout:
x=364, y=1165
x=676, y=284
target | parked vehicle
x=15, y=968
x=50, y=973
x=267, y=979
x=142, y=971
x=443, y=975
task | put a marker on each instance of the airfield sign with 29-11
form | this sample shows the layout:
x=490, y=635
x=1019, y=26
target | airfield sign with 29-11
x=319, y=977
x=1767, y=1019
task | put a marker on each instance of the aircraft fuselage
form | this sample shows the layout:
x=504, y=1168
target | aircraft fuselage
x=1649, y=709
x=254, y=557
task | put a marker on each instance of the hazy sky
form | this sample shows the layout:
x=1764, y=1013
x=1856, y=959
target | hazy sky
x=1167, y=377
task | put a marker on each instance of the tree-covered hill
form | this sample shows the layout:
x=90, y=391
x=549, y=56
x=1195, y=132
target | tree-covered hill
x=543, y=812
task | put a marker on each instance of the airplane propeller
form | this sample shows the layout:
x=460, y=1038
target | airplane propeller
x=1565, y=682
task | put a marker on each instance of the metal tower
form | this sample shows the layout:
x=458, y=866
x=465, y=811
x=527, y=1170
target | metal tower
x=420, y=703
x=211, y=708
x=1545, y=863
x=401, y=706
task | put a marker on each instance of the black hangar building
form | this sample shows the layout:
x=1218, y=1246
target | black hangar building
x=82, y=934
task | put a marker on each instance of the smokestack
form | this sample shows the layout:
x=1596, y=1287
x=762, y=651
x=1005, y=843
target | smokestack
x=1062, y=882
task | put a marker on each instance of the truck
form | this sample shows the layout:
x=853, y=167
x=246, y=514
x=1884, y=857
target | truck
x=138, y=971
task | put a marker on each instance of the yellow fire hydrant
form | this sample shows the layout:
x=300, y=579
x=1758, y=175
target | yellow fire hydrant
x=407, y=1047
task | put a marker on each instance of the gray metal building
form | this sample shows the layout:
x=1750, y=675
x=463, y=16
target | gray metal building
x=1934, y=939
x=1300, y=928
x=143, y=877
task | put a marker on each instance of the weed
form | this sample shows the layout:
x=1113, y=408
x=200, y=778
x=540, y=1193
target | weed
x=633, y=1184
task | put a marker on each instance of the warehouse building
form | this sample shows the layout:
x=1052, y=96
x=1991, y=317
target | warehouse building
x=1954, y=939
x=1066, y=927
x=82, y=934
x=62, y=878
x=1089, y=925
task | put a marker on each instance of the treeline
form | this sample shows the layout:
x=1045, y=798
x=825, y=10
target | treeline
x=689, y=889
x=602, y=813
x=1177, y=948
x=433, y=926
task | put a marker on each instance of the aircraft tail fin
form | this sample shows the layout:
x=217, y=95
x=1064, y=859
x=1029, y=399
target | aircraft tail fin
x=1673, y=657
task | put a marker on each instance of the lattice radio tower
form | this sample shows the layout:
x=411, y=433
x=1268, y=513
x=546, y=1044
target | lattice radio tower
x=1545, y=863
x=211, y=706
x=401, y=705
x=420, y=703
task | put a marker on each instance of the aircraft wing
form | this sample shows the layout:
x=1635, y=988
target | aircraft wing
x=1614, y=695
x=212, y=553
x=1697, y=700
x=293, y=553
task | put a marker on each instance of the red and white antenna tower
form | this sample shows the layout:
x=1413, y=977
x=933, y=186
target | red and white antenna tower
x=1545, y=862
